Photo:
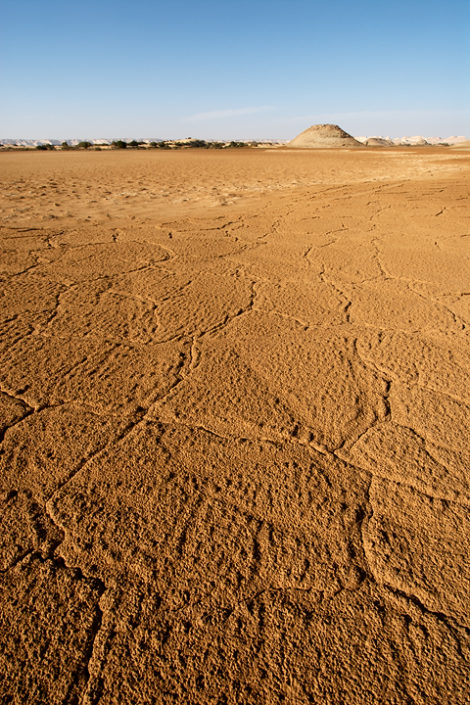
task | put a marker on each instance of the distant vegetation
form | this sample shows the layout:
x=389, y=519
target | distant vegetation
x=180, y=144
x=188, y=143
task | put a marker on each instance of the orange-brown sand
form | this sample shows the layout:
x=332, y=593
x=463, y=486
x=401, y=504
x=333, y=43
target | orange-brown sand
x=235, y=399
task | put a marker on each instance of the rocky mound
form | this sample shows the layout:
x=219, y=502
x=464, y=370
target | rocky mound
x=320, y=136
x=378, y=142
x=416, y=141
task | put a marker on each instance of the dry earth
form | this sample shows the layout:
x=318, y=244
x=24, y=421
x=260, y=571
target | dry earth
x=235, y=392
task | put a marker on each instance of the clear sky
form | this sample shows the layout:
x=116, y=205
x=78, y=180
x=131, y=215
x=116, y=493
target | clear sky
x=233, y=69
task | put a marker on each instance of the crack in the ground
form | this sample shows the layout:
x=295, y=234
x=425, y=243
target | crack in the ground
x=448, y=621
x=346, y=300
x=28, y=408
x=454, y=497
x=95, y=583
x=383, y=273
x=458, y=320
x=367, y=514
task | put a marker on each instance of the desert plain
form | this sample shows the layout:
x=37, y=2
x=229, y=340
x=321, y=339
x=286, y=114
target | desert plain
x=235, y=403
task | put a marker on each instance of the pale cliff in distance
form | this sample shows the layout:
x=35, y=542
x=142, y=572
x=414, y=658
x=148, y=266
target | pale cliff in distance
x=414, y=141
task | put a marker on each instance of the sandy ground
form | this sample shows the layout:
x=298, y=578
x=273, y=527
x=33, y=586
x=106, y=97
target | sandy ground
x=235, y=462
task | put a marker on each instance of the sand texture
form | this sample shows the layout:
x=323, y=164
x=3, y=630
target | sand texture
x=234, y=410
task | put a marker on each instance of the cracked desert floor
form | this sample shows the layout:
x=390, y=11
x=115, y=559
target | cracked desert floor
x=235, y=400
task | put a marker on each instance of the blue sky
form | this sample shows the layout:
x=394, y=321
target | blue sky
x=233, y=69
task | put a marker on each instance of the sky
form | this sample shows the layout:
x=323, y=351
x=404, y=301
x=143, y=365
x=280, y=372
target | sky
x=246, y=69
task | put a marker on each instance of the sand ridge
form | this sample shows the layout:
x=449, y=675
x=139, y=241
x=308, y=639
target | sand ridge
x=234, y=427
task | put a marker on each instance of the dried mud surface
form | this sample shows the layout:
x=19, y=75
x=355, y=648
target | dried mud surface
x=234, y=406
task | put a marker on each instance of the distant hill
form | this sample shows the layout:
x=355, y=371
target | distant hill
x=377, y=142
x=454, y=139
x=414, y=141
x=462, y=145
x=321, y=136
x=72, y=142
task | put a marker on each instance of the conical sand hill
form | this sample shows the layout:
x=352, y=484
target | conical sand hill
x=321, y=136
